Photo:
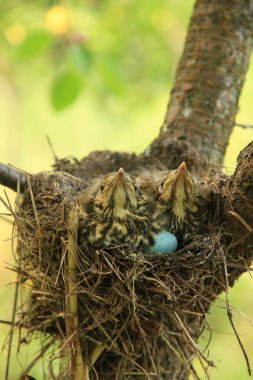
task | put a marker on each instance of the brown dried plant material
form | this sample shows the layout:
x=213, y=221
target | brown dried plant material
x=77, y=367
x=136, y=312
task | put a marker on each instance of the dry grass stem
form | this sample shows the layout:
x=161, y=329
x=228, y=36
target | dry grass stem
x=77, y=365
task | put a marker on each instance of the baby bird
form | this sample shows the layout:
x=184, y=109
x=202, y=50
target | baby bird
x=115, y=212
x=176, y=196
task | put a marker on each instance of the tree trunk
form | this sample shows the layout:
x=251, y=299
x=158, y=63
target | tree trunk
x=210, y=76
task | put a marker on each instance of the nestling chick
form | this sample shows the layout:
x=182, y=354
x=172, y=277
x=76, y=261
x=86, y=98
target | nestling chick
x=116, y=212
x=176, y=195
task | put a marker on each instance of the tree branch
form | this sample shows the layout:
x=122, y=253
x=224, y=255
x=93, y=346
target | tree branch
x=10, y=177
x=238, y=202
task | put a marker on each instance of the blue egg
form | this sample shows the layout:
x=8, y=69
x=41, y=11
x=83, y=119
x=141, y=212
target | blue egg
x=165, y=242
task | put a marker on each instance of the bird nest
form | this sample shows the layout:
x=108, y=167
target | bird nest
x=130, y=314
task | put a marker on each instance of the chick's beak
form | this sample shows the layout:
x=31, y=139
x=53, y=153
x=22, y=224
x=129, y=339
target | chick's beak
x=119, y=178
x=120, y=173
x=180, y=174
x=181, y=171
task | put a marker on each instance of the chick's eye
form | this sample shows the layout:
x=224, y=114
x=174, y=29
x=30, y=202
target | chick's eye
x=162, y=182
x=102, y=187
x=135, y=188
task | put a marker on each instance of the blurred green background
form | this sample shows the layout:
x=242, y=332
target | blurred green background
x=96, y=74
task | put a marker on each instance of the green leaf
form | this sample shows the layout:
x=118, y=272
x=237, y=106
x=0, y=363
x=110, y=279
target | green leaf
x=80, y=58
x=66, y=88
x=35, y=44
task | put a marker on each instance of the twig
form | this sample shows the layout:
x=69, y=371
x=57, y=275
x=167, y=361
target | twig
x=201, y=357
x=32, y=199
x=230, y=316
x=96, y=352
x=244, y=126
x=78, y=369
x=35, y=214
x=7, y=322
x=5, y=219
x=10, y=177
x=12, y=328
x=52, y=150
x=237, y=216
x=41, y=353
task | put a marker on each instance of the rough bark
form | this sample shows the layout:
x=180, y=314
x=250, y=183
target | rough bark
x=238, y=203
x=209, y=79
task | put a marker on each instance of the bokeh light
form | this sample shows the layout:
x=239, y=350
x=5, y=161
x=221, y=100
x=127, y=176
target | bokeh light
x=15, y=34
x=58, y=19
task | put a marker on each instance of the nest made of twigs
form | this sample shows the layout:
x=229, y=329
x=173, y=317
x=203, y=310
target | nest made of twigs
x=136, y=312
